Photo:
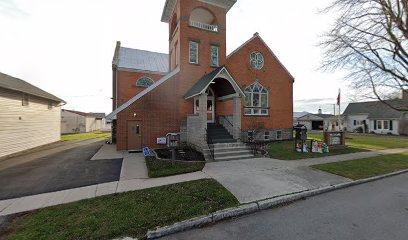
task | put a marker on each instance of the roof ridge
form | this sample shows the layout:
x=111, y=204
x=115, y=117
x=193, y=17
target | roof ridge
x=142, y=50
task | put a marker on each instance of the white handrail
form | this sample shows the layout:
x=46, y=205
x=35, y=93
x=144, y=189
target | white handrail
x=205, y=26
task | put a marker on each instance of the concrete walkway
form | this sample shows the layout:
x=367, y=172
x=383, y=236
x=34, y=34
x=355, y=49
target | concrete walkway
x=133, y=166
x=260, y=178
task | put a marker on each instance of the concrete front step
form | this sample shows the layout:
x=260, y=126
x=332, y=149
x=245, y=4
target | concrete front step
x=230, y=158
x=231, y=152
x=224, y=140
x=228, y=149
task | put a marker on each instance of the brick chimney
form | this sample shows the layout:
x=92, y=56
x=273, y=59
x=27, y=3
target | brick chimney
x=405, y=94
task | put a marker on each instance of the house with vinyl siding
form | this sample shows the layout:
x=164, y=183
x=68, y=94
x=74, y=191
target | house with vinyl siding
x=30, y=117
x=377, y=117
x=82, y=122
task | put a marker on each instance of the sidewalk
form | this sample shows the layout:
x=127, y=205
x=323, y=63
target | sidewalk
x=249, y=180
x=261, y=178
x=133, y=177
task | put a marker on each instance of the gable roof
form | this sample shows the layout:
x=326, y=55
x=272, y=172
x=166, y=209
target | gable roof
x=80, y=113
x=311, y=116
x=16, y=84
x=256, y=35
x=141, y=60
x=299, y=114
x=378, y=109
x=99, y=115
x=112, y=115
x=202, y=84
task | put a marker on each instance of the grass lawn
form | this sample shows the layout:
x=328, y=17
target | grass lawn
x=367, y=167
x=369, y=141
x=163, y=168
x=83, y=136
x=285, y=151
x=127, y=214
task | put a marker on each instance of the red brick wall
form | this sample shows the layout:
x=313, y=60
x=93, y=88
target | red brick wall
x=191, y=73
x=158, y=112
x=127, y=88
x=272, y=76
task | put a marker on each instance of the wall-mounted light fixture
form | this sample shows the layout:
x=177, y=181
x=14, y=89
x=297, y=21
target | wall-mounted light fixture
x=134, y=115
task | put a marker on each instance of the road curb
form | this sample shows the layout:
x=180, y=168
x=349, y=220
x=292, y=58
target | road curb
x=256, y=206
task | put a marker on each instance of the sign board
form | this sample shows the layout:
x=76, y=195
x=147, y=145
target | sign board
x=146, y=151
x=335, y=138
x=162, y=141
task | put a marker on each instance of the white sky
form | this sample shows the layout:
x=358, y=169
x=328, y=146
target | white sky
x=66, y=47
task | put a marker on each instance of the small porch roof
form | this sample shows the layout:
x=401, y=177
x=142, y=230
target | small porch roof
x=202, y=84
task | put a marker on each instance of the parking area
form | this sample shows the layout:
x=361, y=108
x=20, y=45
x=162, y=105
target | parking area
x=56, y=171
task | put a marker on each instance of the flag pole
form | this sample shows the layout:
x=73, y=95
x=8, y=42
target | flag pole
x=339, y=108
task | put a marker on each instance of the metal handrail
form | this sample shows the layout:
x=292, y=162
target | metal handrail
x=210, y=144
x=232, y=125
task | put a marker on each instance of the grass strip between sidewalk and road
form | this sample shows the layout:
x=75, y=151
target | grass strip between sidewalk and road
x=126, y=214
x=367, y=167
x=162, y=168
x=369, y=141
x=285, y=151
x=84, y=136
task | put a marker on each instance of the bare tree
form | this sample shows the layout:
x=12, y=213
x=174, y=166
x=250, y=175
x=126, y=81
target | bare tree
x=369, y=40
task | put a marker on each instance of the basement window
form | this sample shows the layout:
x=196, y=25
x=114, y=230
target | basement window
x=279, y=135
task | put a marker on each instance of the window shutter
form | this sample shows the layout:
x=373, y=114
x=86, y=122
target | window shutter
x=375, y=124
x=391, y=125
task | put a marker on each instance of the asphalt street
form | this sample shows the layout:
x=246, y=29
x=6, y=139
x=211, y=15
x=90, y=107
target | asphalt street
x=372, y=211
x=59, y=171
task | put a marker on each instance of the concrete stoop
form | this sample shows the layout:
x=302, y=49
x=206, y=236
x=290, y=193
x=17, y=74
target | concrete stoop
x=229, y=151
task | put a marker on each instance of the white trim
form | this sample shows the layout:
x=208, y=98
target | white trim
x=256, y=35
x=229, y=78
x=231, y=96
x=112, y=115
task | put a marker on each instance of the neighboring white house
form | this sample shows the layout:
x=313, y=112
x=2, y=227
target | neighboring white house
x=30, y=117
x=320, y=122
x=297, y=115
x=377, y=117
x=80, y=122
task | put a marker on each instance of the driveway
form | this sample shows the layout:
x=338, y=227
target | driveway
x=260, y=178
x=56, y=171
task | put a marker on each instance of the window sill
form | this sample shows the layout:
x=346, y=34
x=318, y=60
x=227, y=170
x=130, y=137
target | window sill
x=195, y=64
x=253, y=115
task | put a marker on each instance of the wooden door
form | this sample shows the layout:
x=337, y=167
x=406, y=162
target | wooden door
x=134, y=135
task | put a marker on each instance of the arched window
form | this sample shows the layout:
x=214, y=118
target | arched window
x=144, y=82
x=256, y=100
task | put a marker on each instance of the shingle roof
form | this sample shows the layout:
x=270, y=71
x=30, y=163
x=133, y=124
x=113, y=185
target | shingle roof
x=377, y=109
x=136, y=59
x=99, y=115
x=16, y=84
x=80, y=113
x=312, y=116
x=202, y=83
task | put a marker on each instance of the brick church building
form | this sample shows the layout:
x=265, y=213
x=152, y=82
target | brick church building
x=198, y=90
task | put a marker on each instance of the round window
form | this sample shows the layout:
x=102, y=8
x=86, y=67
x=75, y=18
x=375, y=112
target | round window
x=257, y=60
